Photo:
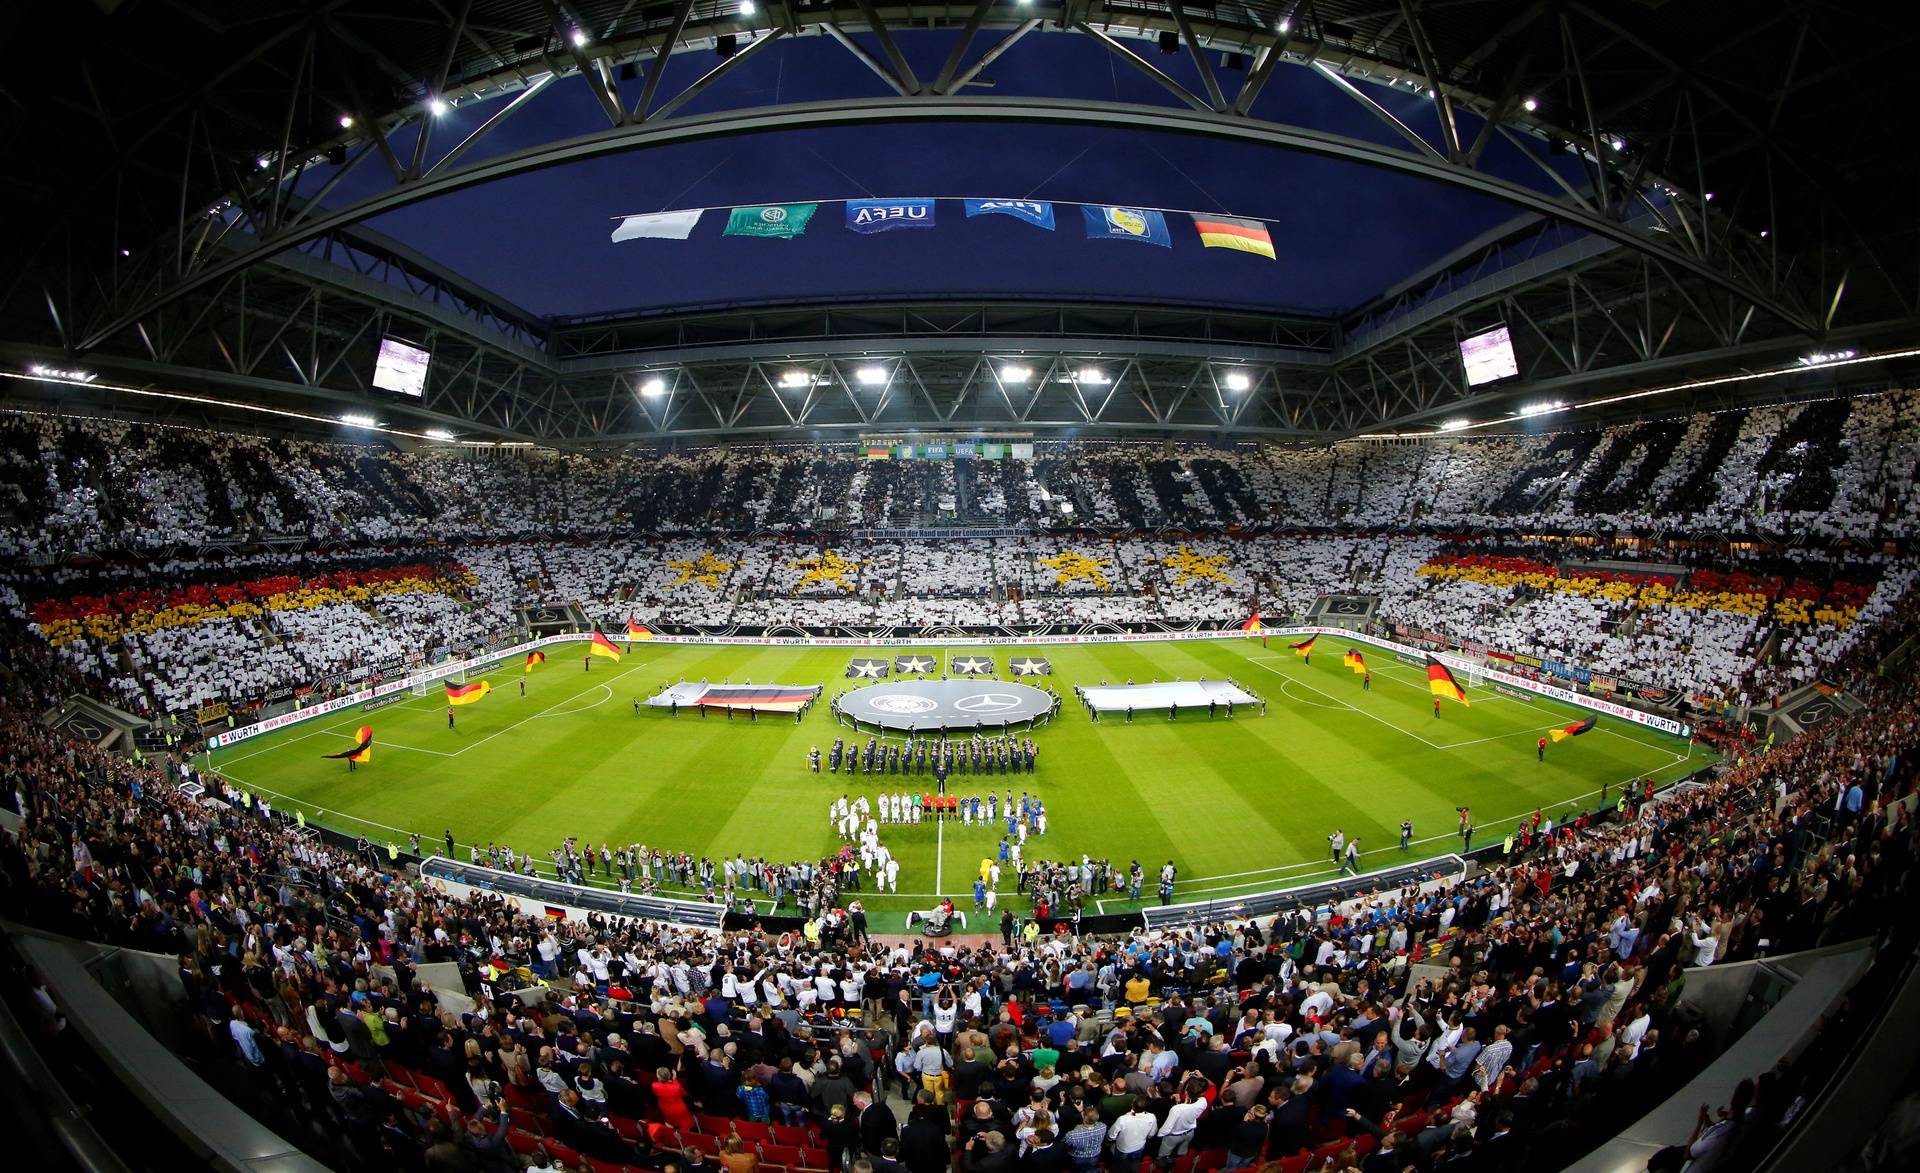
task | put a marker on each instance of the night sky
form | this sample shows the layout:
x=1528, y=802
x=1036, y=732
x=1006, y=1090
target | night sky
x=1344, y=232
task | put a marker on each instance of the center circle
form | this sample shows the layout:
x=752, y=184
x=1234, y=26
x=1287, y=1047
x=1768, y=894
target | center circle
x=928, y=706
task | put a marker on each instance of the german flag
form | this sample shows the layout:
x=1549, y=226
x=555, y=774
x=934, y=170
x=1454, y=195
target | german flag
x=1304, y=647
x=1357, y=662
x=1440, y=682
x=602, y=646
x=1575, y=729
x=1252, y=623
x=638, y=630
x=555, y=913
x=1234, y=232
x=534, y=660
x=466, y=694
x=362, y=750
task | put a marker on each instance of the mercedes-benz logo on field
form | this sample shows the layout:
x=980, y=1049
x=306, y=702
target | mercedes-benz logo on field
x=899, y=702
x=987, y=702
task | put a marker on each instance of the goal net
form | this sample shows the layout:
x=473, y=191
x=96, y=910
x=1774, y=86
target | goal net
x=419, y=688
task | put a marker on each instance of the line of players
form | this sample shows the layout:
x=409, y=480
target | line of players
x=853, y=818
x=980, y=754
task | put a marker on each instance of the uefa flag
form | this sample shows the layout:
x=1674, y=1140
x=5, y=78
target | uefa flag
x=1247, y=236
x=869, y=216
x=658, y=226
x=466, y=694
x=1107, y=222
x=778, y=221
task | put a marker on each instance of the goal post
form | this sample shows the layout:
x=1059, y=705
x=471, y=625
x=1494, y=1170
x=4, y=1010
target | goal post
x=419, y=688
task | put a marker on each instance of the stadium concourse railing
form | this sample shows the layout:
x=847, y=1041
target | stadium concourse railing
x=555, y=898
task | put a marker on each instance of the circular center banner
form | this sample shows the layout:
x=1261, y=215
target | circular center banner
x=931, y=705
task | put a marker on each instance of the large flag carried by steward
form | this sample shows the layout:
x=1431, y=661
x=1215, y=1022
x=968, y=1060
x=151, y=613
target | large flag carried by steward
x=1440, y=682
x=602, y=646
x=1357, y=662
x=466, y=694
x=534, y=660
x=638, y=630
x=1304, y=647
x=1575, y=729
x=1252, y=623
x=362, y=750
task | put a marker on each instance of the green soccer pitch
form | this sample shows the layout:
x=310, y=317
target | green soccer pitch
x=1240, y=805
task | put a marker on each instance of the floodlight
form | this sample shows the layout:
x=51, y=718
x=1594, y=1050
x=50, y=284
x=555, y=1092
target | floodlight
x=1531, y=105
x=1015, y=374
x=437, y=106
x=439, y=434
x=579, y=39
x=1238, y=380
x=1089, y=375
x=1455, y=425
x=871, y=376
x=654, y=386
x=795, y=378
x=346, y=121
x=356, y=420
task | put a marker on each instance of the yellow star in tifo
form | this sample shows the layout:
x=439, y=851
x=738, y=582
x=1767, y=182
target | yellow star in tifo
x=704, y=570
x=1188, y=565
x=1073, y=566
x=827, y=567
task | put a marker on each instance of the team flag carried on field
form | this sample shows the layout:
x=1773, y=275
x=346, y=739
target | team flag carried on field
x=1252, y=623
x=362, y=750
x=1357, y=662
x=534, y=660
x=1304, y=647
x=602, y=646
x=1247, y=236
x=466, y=694
x=1575, y=729
x=638, y=630
x=1440, y=682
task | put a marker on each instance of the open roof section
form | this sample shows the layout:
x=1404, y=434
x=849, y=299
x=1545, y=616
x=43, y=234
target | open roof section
x=245, y=116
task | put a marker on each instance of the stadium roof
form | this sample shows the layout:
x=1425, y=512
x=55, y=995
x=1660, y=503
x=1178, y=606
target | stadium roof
x=244, y=200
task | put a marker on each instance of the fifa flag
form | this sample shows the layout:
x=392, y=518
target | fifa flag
x=1247, y=236
x=1252, y=624
x=466, y=694
x=1575, y=729
x=362, y=750
x=1038, y=213
x=638, y=630
x=1440, y=682
x=658, y=226
x=778, y=221
x=1357, y=662
x=1114, y=223
x=534, y=660
x=870, y=216
x=602, y=646
x=1304, y=647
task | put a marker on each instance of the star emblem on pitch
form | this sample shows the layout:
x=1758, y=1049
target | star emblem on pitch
x=970, y=665
x=916, y=664
x=867, y=669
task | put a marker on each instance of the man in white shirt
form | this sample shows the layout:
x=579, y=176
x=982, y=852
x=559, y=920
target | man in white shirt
x=1130, y=1134
x=1705, y=944
x=1176, y=1131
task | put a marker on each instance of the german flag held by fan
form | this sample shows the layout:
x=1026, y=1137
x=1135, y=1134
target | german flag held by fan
x=638, y=630
x=362, y=750
x=1575, y=729
x=534, y=660
x=466, y=694
x=1440, y=682
x=602, y=646
x=1304, y=647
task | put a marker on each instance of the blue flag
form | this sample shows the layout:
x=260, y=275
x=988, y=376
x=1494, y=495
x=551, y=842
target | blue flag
x=1038, y=213
x=1115, y=223
x=866, y=216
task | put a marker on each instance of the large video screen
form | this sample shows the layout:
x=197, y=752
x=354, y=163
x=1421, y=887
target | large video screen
x=401, y=368
x=1488, y=356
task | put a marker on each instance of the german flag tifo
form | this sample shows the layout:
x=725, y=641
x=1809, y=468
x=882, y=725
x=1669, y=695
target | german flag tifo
x=362, y=750
x=534, y=660
x=1304, y=647
x=638, y=630
x=1440, y=682
x=466, y=694
x=1575, y=729
x=1357, y=662
x=602, y=646
x=1252, y=623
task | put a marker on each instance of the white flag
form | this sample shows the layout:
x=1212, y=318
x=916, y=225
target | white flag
x=658, y=226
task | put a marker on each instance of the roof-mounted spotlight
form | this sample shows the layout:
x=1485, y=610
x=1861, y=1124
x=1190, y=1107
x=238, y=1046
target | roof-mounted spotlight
x=1454, y=425
x=871, y=376
x=437, y=106
x=440, y=434
x=579, y=38
x=1014, y=374
x=1092, y=375
x=1238, y=380
x=346, y=122
x=1531, y=104
x=654, y=387
x=795, y=378
x=354, y=419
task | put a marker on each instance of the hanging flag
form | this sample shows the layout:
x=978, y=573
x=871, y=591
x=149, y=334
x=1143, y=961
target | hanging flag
x=780, y=221
x=362, y=750
x=1440, y=682
x=534, y=660
x=466, y=694
x=869, y=216
x=658, y=226
x=638, y=630
x=1575, y=729
x=1247, y=236
x=1357, y=662
x=879, y=453
x=1252, y=623
x=1304, y=647
x=1038, y=213
x=1107, y=222
x=602, y=646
